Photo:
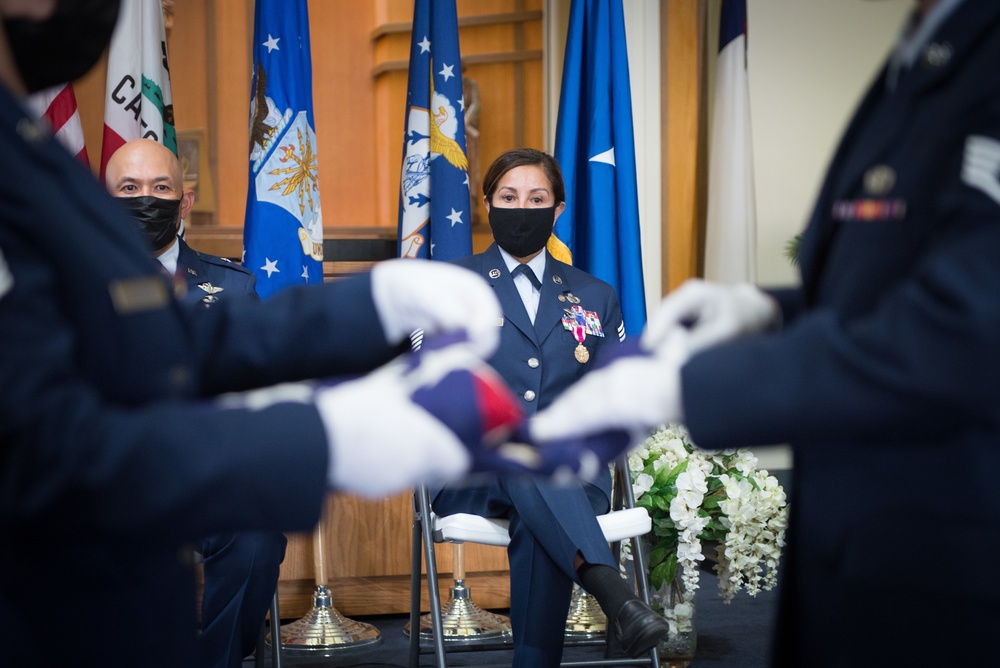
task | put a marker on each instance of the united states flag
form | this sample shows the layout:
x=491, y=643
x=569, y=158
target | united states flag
x=57, y=105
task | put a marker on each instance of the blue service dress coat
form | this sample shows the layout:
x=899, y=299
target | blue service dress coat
x=209, y=278
x=549, y=524
x=106, y=386
x=886, y=378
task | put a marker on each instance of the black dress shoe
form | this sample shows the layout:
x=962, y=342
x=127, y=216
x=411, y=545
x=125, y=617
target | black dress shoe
x=637, y=629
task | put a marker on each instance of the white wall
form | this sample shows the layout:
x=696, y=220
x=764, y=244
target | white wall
x=809, y=62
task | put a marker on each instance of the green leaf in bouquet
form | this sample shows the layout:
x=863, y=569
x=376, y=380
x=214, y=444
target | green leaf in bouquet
x=665, y=572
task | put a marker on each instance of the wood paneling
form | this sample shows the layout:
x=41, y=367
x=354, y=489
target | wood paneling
x=684, y=137
x=367, y=561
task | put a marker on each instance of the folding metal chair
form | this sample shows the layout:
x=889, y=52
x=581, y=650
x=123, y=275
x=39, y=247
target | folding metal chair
x=623, y=522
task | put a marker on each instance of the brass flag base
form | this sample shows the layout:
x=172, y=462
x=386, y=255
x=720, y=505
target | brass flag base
x=465, y=623
x=323, y=629
x=585, y=620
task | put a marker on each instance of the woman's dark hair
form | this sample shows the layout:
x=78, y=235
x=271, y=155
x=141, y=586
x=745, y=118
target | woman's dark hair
x=519, y=157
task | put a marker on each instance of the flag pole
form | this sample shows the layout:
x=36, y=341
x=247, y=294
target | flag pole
x=323, y=630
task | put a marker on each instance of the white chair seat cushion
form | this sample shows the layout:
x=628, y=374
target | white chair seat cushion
x=464, y=528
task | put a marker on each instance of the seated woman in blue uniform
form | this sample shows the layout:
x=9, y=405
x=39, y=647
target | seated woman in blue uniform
x=556, y=320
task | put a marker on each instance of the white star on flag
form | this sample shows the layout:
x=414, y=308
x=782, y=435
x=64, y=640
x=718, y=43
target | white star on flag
x=270, y=266
x=305, y=273
x=455, y=217
x=447, y=71
x=606, y=157
x=425, y=45
x=272, y=43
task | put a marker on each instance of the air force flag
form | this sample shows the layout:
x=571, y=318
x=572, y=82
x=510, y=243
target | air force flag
x=599, y=229
x=434, y=215
x=283, y=231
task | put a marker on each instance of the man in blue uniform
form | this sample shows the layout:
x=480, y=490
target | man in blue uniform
x=240, y=569
x=111, y=389
x=556, y=321
x=884, y=377
x=147, y=179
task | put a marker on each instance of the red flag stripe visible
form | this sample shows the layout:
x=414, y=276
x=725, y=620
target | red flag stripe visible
x=61, y=109
x=57, y=106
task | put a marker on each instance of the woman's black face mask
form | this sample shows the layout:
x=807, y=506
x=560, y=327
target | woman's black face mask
x=522, y=232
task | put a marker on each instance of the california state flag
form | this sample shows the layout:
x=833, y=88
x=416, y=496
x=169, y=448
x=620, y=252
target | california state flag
x=137, y=102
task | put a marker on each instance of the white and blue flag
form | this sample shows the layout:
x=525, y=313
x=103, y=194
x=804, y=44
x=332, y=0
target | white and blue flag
x=731, y=227
x=283, y=230
x=599, y=229
x=434, y=208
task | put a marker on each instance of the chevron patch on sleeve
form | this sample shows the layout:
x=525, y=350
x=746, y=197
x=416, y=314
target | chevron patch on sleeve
x=981, y=165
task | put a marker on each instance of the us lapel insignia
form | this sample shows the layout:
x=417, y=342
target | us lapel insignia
x=937, y=54
x=879, y=180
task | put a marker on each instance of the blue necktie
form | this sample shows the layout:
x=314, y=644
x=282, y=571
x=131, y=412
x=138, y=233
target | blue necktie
x=526, y=270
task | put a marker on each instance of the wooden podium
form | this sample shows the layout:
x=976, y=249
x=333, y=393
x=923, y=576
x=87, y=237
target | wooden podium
x=368, y=561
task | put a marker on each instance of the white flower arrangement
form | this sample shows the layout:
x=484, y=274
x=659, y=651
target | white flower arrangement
x=694, y=496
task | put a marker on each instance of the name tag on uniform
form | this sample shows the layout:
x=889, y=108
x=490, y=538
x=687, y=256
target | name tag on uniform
x=136, y=295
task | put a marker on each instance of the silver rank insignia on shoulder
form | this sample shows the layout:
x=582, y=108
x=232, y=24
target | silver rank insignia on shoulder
x=494, y=273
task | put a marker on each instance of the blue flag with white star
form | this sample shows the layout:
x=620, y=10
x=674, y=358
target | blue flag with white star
x=434, y=215
x=283, y=230
x=596, y=151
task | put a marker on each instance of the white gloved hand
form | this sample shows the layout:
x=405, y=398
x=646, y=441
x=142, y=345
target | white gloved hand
x=435, y=297
x=713, y=313
x=380, y=441
x=634, y=393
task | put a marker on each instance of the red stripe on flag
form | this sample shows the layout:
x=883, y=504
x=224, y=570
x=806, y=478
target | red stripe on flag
x=61, y=109
x=112, y=142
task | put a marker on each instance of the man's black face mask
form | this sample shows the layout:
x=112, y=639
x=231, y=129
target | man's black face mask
x=64, y=46
x=157, y=218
